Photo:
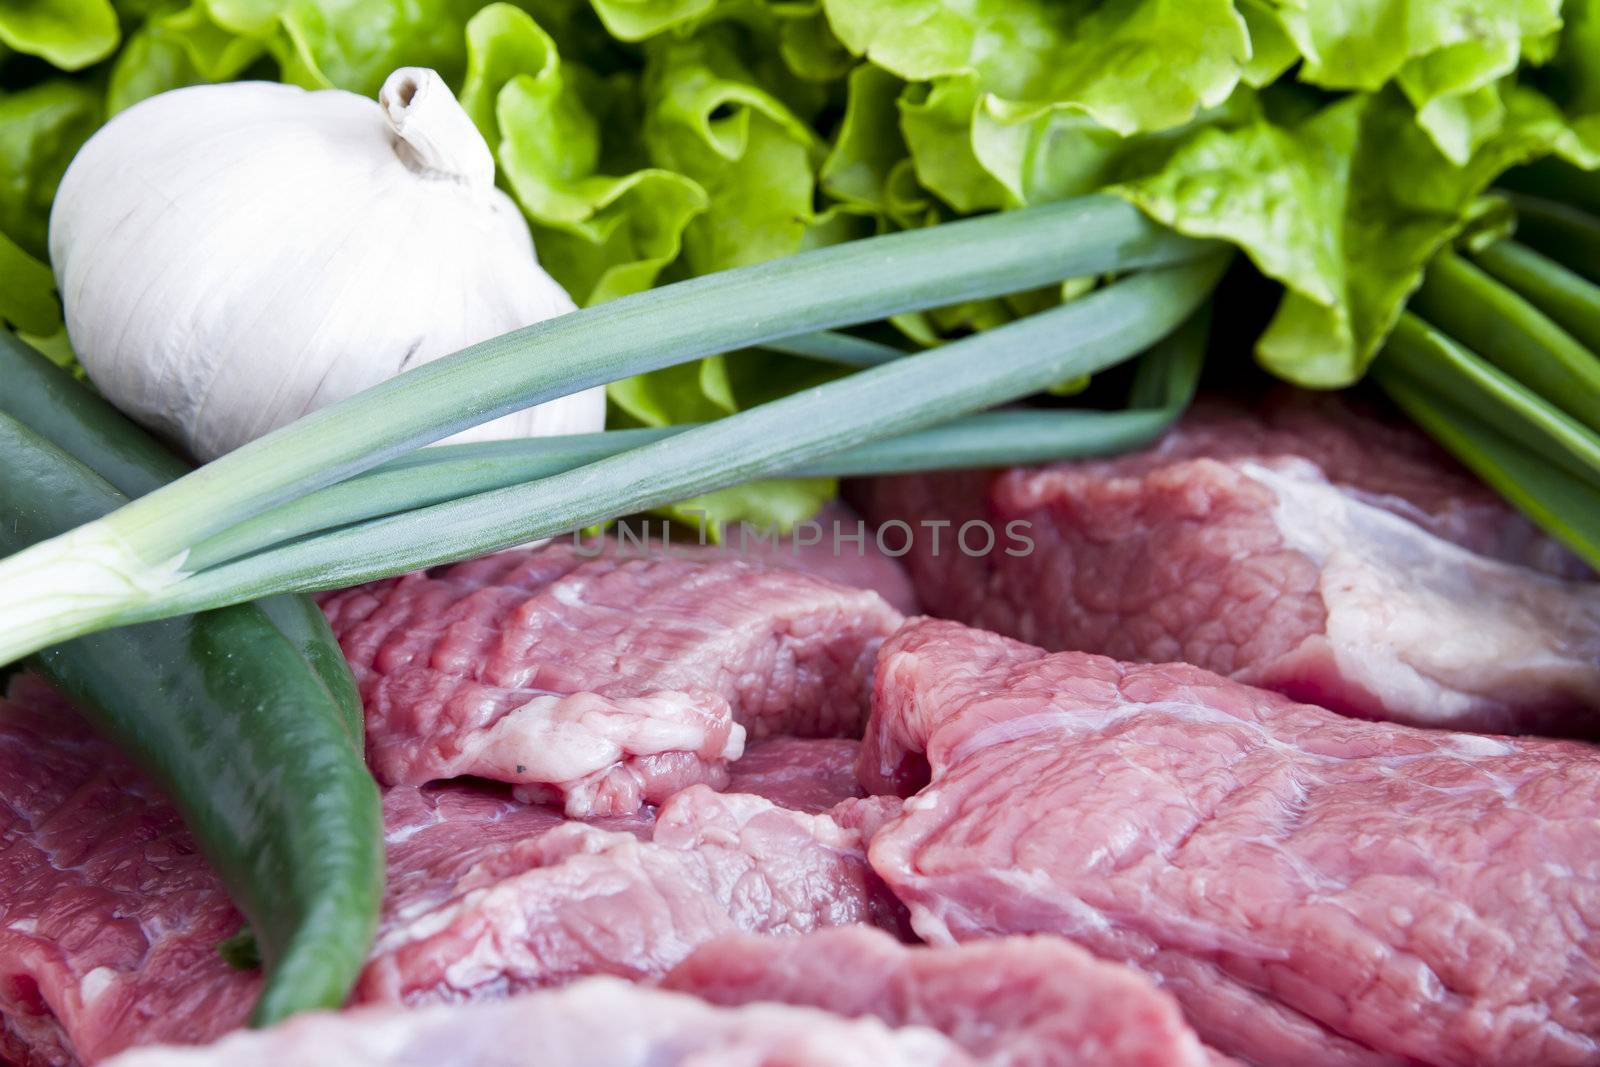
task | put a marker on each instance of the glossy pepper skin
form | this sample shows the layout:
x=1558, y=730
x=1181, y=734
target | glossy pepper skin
x=247, y=716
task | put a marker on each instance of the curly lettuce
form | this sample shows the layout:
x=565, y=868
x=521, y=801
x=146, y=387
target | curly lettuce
x=1338, y=143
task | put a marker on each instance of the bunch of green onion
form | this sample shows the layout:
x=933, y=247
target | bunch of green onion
x=1496, y=357
x=303, y=509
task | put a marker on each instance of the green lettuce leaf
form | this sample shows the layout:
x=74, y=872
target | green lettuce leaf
x=937, y=122
x=1272, y=50
x=634, y=20
x=41, y=128
x=781, y=503
x=708, y=119
x=356, y=44
x=600, y=235
x=807, y=43
x=1345, y=208
x=70, y=34
x=174, y=49
x=868, y=145
x=1446, y=55
x=1133, y=65
x=27, y=291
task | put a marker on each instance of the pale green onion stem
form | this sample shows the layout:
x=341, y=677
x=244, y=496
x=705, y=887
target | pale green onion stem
x=1566, y=506
x=1572, y=300
x=830, y=347
x=1467, y=382
x=1163, y=387
x=990, y=368
x=1567, y=234
x=852, y=282
x=1508, y=331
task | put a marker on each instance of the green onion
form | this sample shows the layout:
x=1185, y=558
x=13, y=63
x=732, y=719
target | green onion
x=1470, y=383
x=1163, y=387
x=1568, y=235
x=832, y=347
x=110, y=569
x=1566, y=506
x=1571, y=300
x=857, y=281
x=1511, y=333
x=986, y=369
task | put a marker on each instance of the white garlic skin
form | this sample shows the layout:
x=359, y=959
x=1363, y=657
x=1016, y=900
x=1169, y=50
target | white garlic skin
x=233, y=256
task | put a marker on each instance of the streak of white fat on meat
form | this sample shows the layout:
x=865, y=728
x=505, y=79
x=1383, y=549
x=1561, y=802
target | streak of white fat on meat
x=406, y=833
x=1311, y=514
x=95, y=982
x=429, y=916
x=24, y=926
x=1066, y=914
x=568, y=593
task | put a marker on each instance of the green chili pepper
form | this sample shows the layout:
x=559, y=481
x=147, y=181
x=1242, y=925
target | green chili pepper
x=246, y=716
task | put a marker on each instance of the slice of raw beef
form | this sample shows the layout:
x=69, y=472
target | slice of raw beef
x=466, y=920
x=600, y=1022
x=1312, y=889
x=109, y=920
x=800, y=773
x=603, y=683
x=1309, y=547
x=1013, y=1002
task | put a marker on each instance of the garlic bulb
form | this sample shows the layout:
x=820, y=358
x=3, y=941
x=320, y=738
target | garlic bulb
x=233, y=256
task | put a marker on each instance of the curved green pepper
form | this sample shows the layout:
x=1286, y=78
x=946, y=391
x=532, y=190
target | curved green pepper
x=244, y=715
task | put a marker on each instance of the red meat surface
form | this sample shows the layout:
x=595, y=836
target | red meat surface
x=602, y=683
x=1306, y=546
x=1013, y=1002
x=109, y=919
x=1312, y=889
x=599, y=1022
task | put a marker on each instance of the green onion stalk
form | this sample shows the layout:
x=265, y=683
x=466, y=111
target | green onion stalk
x=141, y=562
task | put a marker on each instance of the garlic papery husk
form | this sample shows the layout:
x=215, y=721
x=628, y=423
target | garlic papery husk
x=233, y=256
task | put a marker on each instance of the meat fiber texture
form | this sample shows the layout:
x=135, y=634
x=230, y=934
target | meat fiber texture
x=599, y=1022
x=1306, y=546
x=606, y=683
x=1013, y=1002
x=109, y=919
x=1313, y=889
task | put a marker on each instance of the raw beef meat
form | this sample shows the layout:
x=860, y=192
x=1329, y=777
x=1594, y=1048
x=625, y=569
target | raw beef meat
x=599, y=1022
x=603, y=683
x=1312, y=889
x=1315, y=549
x=800, y=773
x=835, y=545
x=469, y=920
x=1016, y=1002
x=109, y=920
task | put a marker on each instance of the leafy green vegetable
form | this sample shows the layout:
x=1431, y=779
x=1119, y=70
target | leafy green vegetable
x=27, y=291
x=634, y=20
x=1345, y=208
x=41, y=128
x=174, y=49
x=710, y=120
x=1447, y=55
x=858, y=169
x=781, y=503
x=1339, y=143
x=600, y=235
x=1134, y=65
x=67, y=33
